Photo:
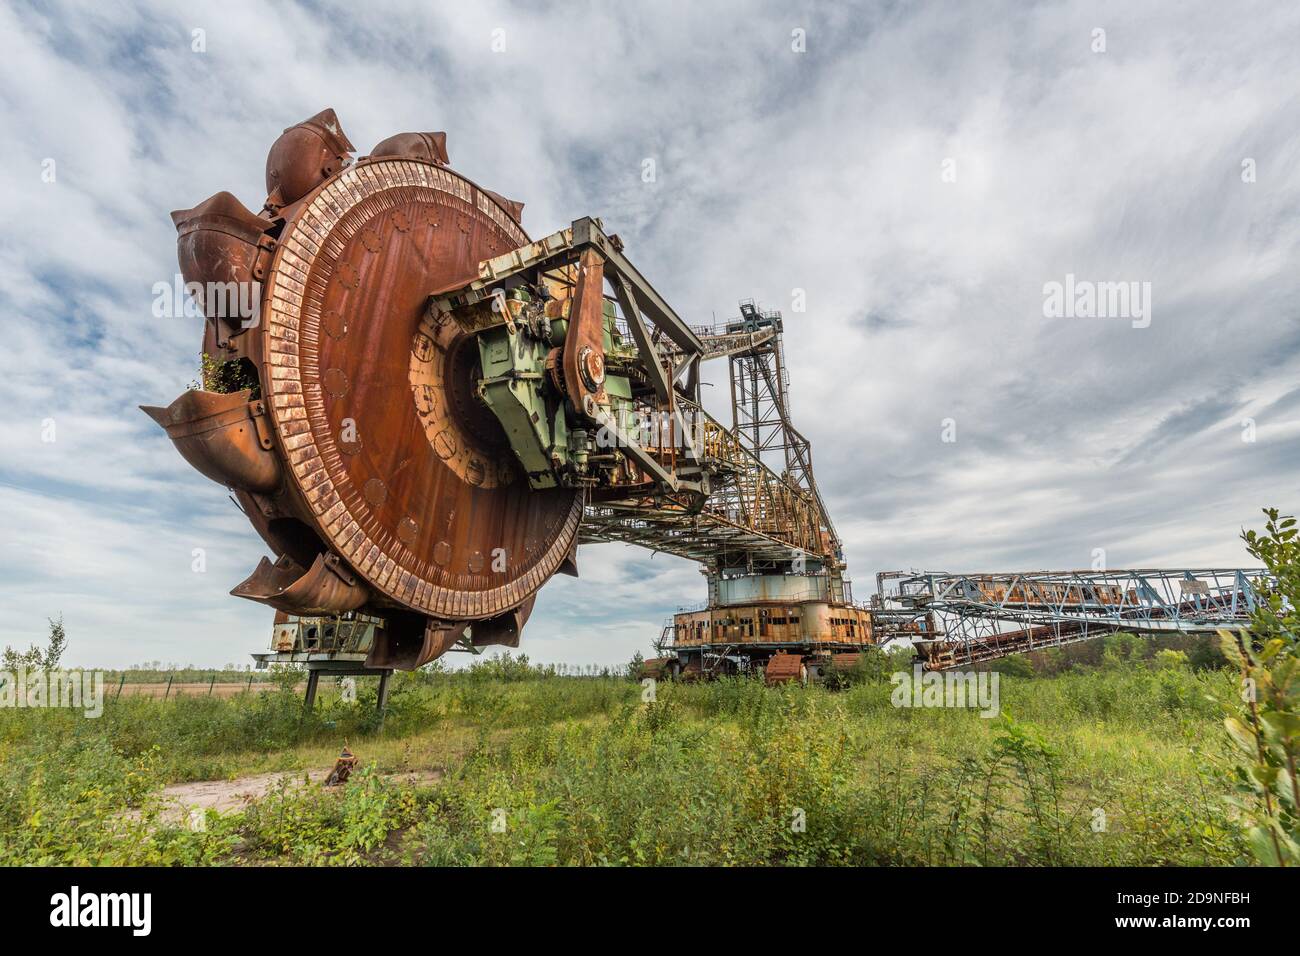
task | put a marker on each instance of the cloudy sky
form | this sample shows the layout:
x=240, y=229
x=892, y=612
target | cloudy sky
x=919, y=171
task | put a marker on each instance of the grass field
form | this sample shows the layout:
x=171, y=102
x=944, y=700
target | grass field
x=510, y=766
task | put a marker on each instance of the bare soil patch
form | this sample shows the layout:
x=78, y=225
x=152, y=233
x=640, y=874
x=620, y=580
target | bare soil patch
x=182, y=799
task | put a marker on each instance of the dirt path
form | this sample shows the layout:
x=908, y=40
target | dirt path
x=182, y=799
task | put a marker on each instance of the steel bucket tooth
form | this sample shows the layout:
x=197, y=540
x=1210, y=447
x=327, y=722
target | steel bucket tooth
x=430, y=147
x=408, y=648
x=223, y=250
x=569, y=565
x=304, y=156
x=327, y=587
x=222, y=437
x=514, y=209
x=504, y=629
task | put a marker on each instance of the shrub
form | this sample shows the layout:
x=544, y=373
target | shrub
x=1266, y=724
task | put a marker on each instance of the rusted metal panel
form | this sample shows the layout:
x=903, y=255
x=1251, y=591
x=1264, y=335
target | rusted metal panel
x=304, y=156
x=380, y=480
x=429, y=147
x=223, y=436
x=657, y=668
x=784, y=668
x=845, y=662
x=224, y=251
x=327, y=587
x=584, y=350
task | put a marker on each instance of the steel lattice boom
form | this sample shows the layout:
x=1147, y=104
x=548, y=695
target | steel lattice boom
x=967, y=618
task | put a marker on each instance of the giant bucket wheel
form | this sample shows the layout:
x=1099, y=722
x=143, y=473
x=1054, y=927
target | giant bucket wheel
x=359, y=448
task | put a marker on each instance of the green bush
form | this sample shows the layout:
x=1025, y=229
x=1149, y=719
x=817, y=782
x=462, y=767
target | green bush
x=1265, y=718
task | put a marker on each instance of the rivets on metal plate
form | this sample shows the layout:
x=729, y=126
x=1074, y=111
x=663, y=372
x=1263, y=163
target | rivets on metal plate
x=335, y=381
x=334, y=324
x=407, y=529
x=347, y=275
x=375, y=492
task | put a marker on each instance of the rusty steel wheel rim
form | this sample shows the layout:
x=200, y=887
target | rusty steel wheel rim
x=399, y=480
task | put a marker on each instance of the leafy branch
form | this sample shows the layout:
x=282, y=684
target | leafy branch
x=1266, y=728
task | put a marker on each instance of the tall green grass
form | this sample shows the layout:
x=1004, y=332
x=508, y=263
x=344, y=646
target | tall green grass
x=1112, y=766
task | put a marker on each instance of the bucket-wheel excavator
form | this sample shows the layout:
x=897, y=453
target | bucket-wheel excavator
x=425, y=412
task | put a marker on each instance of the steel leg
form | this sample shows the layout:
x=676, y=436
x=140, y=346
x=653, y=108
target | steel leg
x=313, y=678
x=383, y=695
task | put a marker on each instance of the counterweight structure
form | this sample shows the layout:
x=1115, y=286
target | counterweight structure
x=425, y=413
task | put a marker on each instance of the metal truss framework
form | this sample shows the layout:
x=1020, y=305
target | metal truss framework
x=760, y=400
x=975, y=617
x=714, y=499
x=752, y=518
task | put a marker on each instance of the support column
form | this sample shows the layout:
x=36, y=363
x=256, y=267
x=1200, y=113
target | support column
x=382, y=705
x=313, y=679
